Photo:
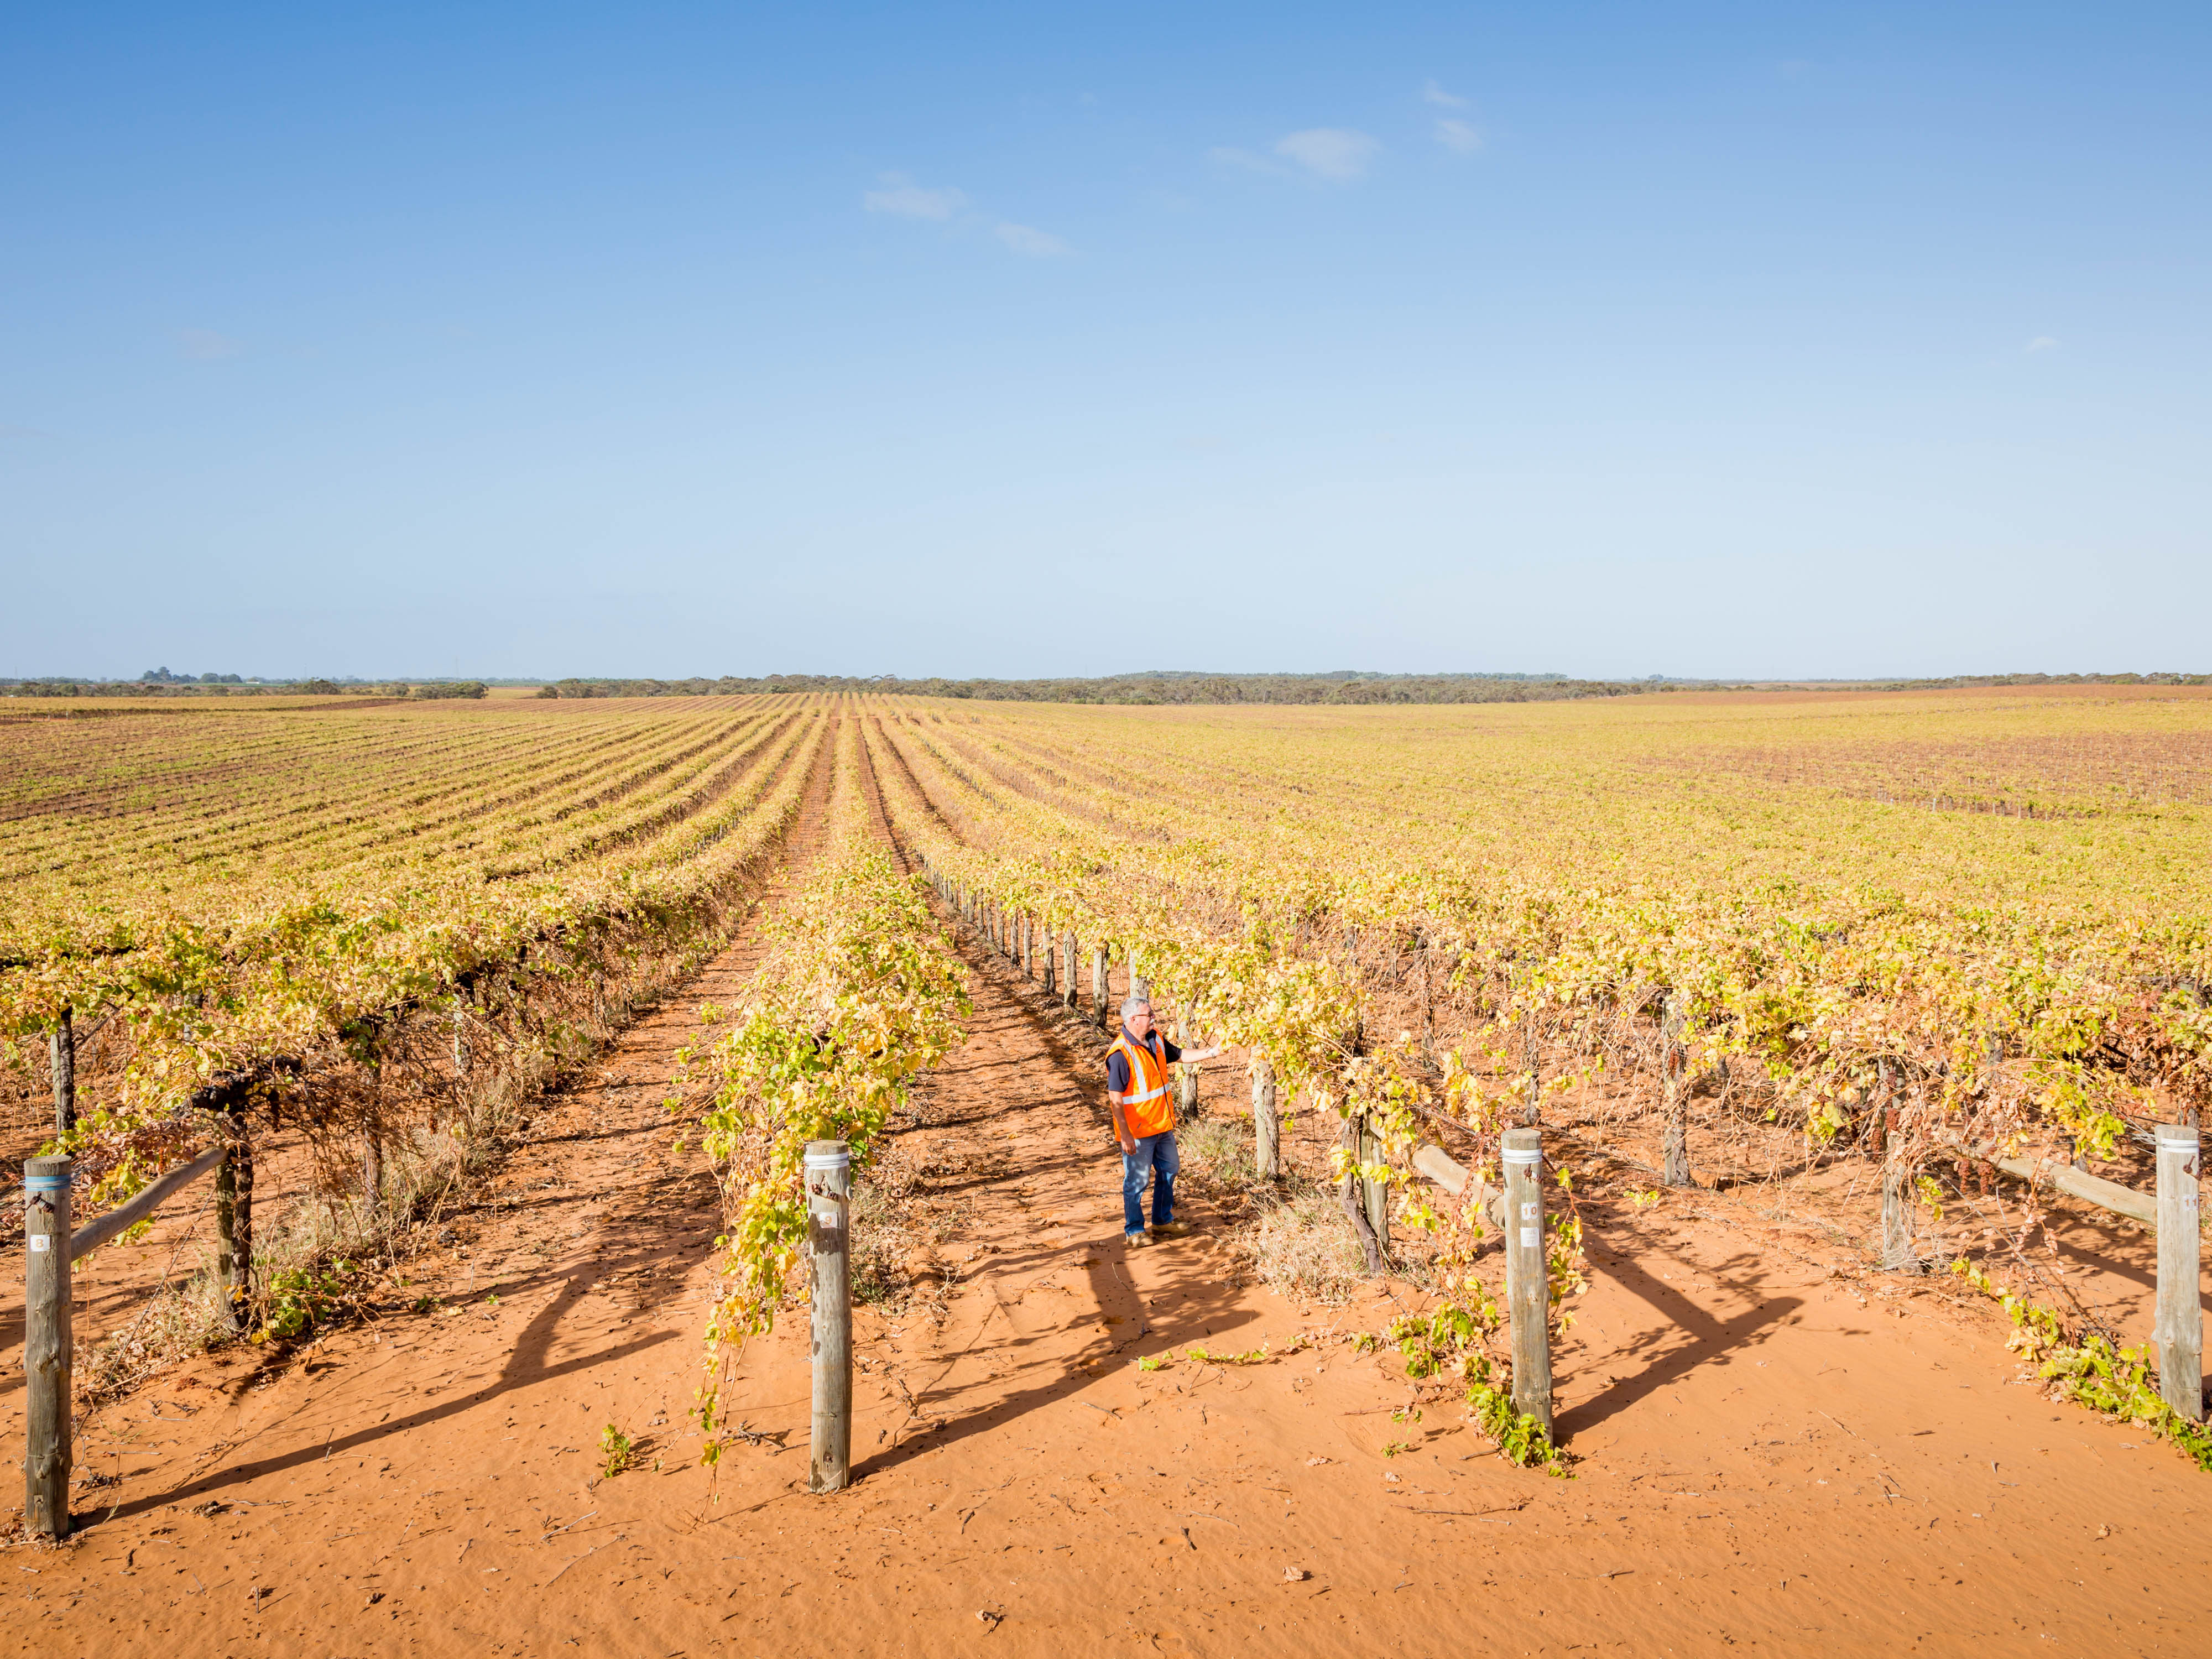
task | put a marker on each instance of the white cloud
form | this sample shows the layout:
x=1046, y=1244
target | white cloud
x=1433, y=93
x=1329, y=152
x=205, y=345
x=2041, y=343
x=902, y=196
x=903, y=199
x=1455, y=134
x=1036, y=244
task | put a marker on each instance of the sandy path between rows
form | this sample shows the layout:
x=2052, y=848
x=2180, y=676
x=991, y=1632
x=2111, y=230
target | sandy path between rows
x=1775, y=1452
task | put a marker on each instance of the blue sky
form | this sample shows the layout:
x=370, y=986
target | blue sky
x=1615, y=340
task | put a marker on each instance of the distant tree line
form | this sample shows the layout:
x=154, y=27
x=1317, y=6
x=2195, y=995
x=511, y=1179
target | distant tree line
x=163, y=677
x=230, y=685
x=1343, y=687
x=430, y=689
x=2025, y=679
x=1159, y=686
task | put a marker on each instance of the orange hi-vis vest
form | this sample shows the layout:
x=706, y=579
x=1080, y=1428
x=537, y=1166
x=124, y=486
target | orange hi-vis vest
x=1146, y=1109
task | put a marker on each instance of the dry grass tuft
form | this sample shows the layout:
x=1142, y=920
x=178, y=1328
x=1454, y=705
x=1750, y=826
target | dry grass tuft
x=1217, y=1151
x=1303, y=1246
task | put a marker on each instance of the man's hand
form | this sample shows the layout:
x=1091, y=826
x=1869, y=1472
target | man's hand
x=1128, y=1145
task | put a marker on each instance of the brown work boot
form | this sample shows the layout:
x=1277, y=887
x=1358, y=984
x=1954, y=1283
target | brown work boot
x=1170, y=1229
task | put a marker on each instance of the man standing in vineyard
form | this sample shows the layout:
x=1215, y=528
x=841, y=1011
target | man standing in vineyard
x=1144, y=1118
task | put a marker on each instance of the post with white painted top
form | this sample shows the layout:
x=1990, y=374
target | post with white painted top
x=2179, y=1330
x=1527, y=1277
x=829, y=1235
x=1098, y=988
x=46, y=1346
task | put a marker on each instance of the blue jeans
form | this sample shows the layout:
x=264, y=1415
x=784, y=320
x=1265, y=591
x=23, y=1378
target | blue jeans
x=1155, y=1155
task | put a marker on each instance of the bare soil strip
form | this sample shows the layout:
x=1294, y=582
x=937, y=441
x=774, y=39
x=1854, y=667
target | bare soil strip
x=1774, y=1452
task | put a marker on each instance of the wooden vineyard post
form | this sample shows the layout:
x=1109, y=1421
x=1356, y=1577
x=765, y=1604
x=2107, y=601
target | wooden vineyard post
x=1186, y=1081
x=1098, y=988
x=1532, y=1063
x=2179, y=1331
x=1672, y=1065
x=828, y=1206
x=46, y=1346
x=234, y=1226
x=1029, y=962
x=1068, y=985
x=62, y=1046
x=1898, y=1255
x=372, y=1147
x=1376, y=1194
x=1353, y=1196
x=1528, y=1276
x=1049, y=948
x=1267, y=1127
x=1428, y=999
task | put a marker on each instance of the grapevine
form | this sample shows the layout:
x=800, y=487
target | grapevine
x=859, y=995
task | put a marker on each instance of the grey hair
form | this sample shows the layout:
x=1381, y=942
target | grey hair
x=1131, y=1003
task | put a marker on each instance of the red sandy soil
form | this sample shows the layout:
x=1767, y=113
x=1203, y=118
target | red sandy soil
x=1776, y=1449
